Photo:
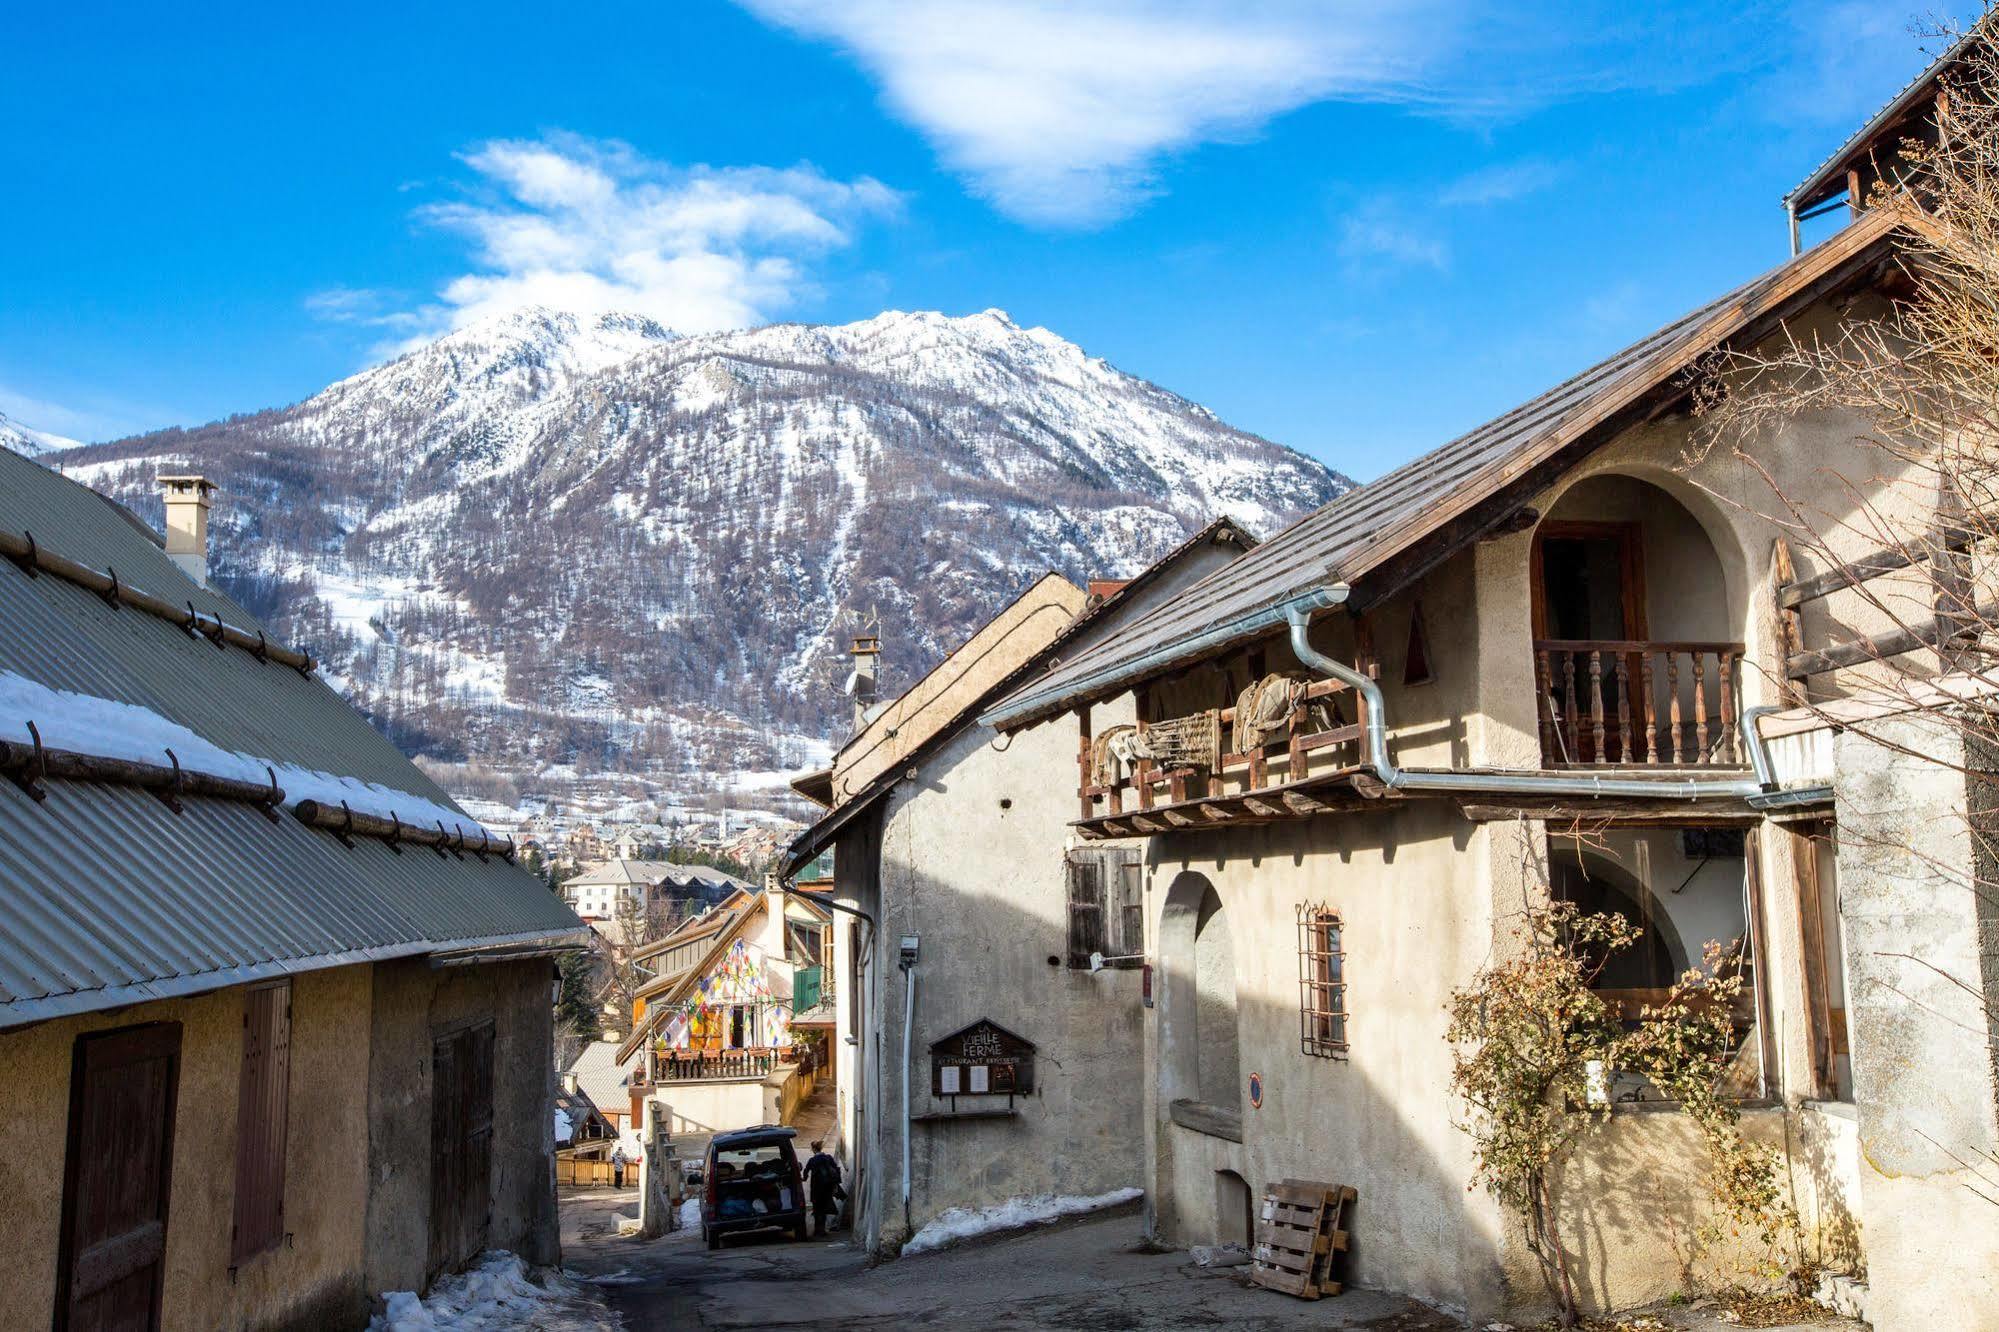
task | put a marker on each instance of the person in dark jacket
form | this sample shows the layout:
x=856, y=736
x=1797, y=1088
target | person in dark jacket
x=822, y=1181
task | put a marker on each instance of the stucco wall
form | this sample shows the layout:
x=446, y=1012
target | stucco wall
x=414, y=1002
x=315, y=1280
x=697, y=1111
x=1414, y=896
x=991, y=911
x=1915, y=902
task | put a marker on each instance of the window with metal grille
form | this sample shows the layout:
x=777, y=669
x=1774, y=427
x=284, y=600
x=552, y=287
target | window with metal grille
x=262, y=1105
x=1106, y=906
x=1322, y=982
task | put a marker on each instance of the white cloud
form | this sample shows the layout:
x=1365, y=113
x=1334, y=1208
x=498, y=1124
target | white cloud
x=1499, y=184
x=1379, y=231
x=590, y=226
x=1060, y=111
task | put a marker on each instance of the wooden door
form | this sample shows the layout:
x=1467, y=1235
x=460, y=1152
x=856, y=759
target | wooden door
x=111, y=1264
x=461, y=1144
x=1588, y=585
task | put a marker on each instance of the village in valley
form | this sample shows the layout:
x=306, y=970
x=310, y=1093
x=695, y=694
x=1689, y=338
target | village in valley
x=1548, y=884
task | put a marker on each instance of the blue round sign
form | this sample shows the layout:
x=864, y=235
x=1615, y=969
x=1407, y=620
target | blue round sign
x=1256, y=1091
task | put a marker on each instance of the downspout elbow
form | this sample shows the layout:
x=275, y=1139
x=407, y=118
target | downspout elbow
x=1753, y=741
x=1375, y=724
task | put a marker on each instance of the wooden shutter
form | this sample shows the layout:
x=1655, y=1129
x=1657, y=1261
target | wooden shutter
x=1130, y=869
x=1086, y=908
x=262, y=1105
x=111, y=1262
x=461, y=1144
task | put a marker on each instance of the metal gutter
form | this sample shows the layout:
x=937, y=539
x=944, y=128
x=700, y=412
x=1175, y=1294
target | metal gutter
x=1525, y=783
x=23, y=1012
x=1242, y=626
x=1794, y=798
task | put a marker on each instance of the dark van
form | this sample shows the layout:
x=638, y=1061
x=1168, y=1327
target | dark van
x=751, y=1181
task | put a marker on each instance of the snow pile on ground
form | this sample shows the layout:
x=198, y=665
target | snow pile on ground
x=690, y=1214
x=498, y=1293
x=962, y=1223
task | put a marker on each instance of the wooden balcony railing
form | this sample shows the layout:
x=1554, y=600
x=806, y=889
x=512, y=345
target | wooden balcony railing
x=1311, y=741
x=708, y=1065
x=1637, y=704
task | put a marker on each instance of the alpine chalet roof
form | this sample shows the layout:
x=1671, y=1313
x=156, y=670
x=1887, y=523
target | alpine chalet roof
x=1828, y=179
x=108, y=896
x=1390, y=530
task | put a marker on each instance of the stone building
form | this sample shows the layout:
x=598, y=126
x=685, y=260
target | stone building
x=967, y=904
x=1561, y=657
x=275, y=1031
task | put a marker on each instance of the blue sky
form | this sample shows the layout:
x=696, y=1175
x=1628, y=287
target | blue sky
x=1355, y=228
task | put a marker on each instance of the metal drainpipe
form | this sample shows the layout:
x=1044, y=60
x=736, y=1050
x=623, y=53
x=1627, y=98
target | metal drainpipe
x=1792, y=209
x=908, y=1025
x=1522, y=783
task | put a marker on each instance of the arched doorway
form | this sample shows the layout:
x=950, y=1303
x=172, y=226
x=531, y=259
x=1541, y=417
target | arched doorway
x=1636, y=634
x=1199, y=1029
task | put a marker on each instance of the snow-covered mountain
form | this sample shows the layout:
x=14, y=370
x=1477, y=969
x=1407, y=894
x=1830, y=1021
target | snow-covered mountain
x=588, y=542
x=32, y=443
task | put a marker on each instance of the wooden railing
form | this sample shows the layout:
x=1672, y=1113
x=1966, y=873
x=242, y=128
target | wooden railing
x=1300, y=749
x=709, y=1065
x=1636, y=704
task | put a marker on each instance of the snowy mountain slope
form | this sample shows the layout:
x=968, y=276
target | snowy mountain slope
x=32, y=443
x=588, y=542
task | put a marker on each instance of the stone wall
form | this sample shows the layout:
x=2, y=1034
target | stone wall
x=1916, y=908
x=413, y=1003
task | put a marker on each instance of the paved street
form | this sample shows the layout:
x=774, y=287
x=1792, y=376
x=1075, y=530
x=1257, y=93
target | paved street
x=1090, y=1274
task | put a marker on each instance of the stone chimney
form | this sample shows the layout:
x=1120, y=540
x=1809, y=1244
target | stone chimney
x=188, y=499
x=866, y=652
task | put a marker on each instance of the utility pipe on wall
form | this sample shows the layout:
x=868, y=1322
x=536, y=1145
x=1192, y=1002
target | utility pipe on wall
x=1521, y=783
x=908, y=1025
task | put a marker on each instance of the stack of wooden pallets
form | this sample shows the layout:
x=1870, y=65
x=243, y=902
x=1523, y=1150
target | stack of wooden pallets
x=1300, y=1233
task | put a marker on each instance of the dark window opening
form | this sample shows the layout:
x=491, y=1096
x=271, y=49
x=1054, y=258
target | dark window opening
x=1416, y=659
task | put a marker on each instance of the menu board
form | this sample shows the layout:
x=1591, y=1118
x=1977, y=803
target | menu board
x=984, y=1059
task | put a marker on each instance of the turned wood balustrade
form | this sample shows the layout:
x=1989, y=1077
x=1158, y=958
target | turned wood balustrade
x=1638, y=703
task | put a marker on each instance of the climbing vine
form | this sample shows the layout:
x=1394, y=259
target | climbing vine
x=1533, y=1051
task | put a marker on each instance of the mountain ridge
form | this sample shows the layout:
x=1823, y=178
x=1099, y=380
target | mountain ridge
x=584, y=543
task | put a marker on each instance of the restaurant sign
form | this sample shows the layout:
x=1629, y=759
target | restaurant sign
x=984, y=1059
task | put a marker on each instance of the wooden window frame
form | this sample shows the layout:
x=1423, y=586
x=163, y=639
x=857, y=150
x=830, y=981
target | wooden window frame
x=1631, y=569
x=1117, y=904
x=1322, y=983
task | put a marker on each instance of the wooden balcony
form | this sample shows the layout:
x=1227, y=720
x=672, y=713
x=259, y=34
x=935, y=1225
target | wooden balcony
x=1634, y=704
x=709, y=1065
x=1307, y=749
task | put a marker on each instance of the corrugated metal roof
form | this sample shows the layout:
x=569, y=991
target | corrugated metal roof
x=601, y=1077
x=107, y=897
x=1812, y=189
x=1356, y=533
